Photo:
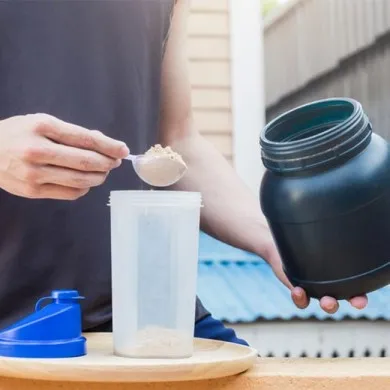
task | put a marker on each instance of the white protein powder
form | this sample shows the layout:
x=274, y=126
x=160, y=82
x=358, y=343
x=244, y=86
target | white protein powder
x=161, y=166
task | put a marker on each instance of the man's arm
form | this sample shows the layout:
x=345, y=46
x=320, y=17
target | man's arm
x=231, y=212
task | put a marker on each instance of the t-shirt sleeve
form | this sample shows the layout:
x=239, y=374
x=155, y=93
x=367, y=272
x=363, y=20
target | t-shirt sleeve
x=210, y=328
x=200, y=311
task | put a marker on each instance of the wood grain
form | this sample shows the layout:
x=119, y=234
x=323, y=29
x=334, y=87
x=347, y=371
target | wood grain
x=267, y=374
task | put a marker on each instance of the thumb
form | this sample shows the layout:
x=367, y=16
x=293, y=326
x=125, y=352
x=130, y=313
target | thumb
x=280, y=274
x=298, y=295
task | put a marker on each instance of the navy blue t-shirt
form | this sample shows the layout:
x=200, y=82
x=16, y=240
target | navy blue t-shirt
x=96, y=64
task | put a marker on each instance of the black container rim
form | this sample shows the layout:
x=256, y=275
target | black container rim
x=341, y=138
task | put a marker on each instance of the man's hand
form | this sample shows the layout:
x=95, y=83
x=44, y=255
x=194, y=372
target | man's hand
x=44, y=157
x=298, y=295
x=231, y=212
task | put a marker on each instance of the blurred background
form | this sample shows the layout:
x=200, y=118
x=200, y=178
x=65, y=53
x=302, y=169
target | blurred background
x=250, y=61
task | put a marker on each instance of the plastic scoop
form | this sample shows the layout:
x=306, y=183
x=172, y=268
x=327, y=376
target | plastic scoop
x=159, y=167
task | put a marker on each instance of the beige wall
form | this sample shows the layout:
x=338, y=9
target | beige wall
x=209, y=62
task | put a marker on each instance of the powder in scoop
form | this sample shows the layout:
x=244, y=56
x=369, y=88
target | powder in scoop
x=161, y=167
x=159, y=151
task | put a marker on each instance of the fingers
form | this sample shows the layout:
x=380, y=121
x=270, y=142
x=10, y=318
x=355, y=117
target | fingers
x=67, y=177
x=46, y=191
x=50, y=153
x=79, y=137
x=50, y=182
x=300, y=298
x=359, y=302
x=329, y=304
x=53, y=191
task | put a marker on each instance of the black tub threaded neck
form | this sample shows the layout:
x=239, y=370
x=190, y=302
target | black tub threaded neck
x=315, y=135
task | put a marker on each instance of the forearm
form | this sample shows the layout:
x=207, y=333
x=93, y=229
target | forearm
x=231, y=212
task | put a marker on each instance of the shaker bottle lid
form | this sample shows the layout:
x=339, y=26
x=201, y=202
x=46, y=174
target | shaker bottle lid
x=52, y=331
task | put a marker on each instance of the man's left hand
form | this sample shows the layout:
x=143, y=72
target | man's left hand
x=299, y=296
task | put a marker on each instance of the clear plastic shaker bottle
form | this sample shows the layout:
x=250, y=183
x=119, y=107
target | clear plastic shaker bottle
x=154, y=245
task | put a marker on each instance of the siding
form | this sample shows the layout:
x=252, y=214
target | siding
x=209, y=66
x=310, y=38
x=331, y=48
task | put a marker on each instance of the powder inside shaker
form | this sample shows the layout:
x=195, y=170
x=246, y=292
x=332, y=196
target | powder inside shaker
x=157, y=341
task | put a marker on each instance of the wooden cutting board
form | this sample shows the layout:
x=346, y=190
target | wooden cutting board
x=211, y=359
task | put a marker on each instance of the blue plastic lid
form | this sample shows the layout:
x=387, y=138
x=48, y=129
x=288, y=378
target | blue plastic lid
x=52, y=331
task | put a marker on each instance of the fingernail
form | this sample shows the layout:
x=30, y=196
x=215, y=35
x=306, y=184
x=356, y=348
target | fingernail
x=298, y=293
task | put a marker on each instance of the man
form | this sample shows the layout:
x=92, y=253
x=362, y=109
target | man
x=120, y=67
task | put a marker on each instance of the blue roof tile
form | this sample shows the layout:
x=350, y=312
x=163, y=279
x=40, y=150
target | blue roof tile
x=236, y=286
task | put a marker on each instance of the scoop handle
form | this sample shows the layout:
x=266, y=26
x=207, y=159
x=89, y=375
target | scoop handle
x=130, y=157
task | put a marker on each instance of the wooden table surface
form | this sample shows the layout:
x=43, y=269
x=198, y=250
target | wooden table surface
x=267, y=374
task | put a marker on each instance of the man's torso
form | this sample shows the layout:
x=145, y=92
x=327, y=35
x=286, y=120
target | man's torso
x=96, y=64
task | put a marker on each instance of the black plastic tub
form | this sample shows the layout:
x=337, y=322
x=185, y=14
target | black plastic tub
x=326, y=197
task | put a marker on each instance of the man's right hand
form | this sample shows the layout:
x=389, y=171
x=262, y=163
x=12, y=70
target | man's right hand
x=44, y=157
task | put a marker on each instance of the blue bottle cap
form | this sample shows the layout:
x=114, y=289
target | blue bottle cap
x=52, y=331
